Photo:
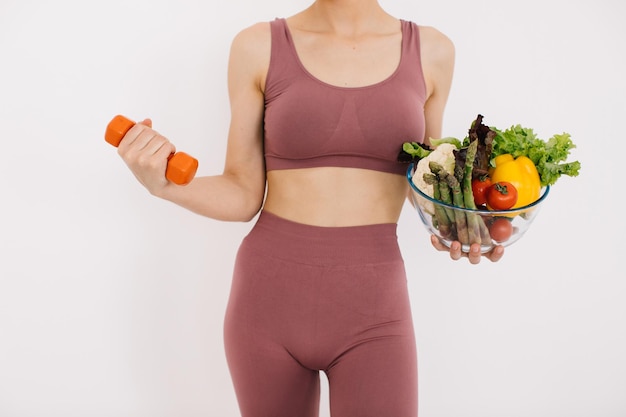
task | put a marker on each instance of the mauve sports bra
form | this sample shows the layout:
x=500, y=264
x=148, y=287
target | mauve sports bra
x=309, y=123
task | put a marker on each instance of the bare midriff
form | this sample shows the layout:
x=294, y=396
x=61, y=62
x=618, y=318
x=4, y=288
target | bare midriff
x=335, y=197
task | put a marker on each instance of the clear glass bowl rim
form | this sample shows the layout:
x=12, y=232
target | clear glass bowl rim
x=409, y=175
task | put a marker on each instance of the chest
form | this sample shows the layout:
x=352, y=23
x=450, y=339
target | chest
x=348, y=62
x=324, y=107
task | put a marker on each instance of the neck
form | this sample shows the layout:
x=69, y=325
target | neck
x=347, y=16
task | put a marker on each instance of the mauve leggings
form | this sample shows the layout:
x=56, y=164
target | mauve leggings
x=306, y=299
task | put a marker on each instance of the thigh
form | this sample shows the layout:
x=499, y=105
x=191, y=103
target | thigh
x=378, y=377
x=268, y=381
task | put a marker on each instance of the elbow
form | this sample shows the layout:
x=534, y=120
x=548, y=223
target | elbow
x=240, y=215
x=244, y=199
x=248, y=215
x=249, y=208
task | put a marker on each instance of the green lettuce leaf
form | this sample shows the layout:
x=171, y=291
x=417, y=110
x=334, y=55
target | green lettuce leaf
x=548, y=156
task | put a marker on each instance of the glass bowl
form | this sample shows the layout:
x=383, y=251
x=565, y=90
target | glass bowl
x=490, y=227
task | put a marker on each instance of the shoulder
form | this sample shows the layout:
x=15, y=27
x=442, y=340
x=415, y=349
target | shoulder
x=252, y=38
x=435, y=46
x=437, y=55
x=250, y=52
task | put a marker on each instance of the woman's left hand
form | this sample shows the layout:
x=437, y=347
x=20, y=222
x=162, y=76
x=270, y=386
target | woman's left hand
x=474, y=254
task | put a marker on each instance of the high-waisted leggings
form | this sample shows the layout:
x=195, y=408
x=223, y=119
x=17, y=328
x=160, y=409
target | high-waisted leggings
x=306, y=299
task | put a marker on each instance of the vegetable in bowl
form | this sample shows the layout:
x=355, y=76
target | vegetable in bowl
x=442, y=216
x=496, y=175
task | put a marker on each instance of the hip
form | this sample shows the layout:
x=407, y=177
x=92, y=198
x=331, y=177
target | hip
x=275, y=237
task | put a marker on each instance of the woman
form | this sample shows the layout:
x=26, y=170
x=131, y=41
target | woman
x=321, y=103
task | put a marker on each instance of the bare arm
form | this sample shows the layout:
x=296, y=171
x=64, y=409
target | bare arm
x=438, y=63
x=236, y=194
x=437, y=53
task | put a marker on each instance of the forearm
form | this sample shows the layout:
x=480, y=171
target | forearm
x=220, y=197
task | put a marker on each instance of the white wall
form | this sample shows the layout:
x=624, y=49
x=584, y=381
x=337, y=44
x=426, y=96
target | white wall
x=111, y=301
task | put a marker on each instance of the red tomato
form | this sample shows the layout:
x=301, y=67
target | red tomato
x=501, y=196
x=501, y=229
x=480, y=185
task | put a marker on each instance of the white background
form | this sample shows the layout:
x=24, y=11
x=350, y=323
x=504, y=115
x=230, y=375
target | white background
x=111, y=301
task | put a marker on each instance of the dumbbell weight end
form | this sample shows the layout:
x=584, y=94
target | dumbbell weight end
x=181, y=167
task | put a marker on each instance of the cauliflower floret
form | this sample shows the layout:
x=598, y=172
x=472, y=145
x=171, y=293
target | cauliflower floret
x=444, y=155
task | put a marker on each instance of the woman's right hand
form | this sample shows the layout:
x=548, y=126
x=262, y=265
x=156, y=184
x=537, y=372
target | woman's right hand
x=146, y=153
x=474, y=256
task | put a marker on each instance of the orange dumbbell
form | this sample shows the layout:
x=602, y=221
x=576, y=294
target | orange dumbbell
x=181, y=167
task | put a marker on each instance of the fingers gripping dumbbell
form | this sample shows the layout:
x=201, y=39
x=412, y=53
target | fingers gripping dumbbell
x=181, y=167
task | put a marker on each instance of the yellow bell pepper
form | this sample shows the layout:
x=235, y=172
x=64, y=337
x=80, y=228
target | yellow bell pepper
x=522, y=173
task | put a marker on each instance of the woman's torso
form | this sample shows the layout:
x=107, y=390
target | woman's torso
x=335, y=192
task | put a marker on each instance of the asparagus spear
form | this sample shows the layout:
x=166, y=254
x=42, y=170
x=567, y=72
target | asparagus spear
x=473, y=220
x=444, y=190
x=459, y=216
x=477, y=229
x=443, y=222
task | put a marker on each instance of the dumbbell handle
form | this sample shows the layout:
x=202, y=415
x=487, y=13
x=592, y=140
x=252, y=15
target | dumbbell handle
x=181, y=168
